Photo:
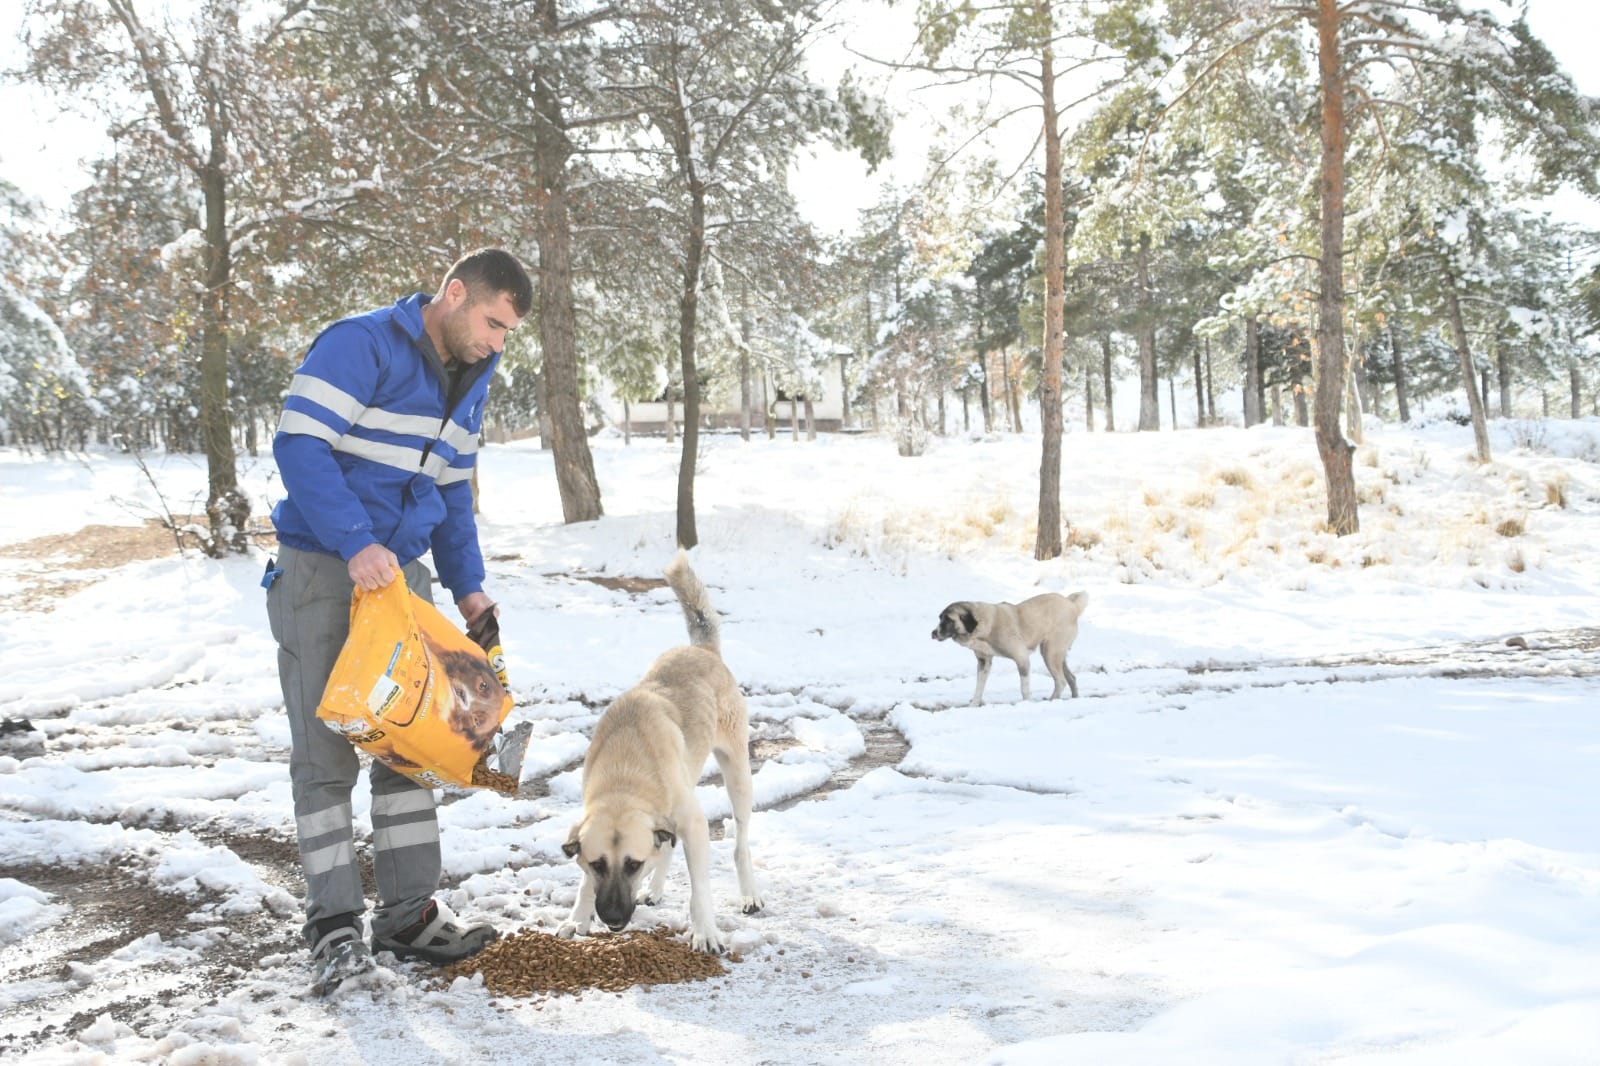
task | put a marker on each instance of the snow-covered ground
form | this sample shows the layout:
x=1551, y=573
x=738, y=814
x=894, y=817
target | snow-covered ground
x=1311, y=805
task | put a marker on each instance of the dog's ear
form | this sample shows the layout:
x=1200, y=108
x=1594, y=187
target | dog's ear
x=667, y=837
x=573, y=844
x=968, y=619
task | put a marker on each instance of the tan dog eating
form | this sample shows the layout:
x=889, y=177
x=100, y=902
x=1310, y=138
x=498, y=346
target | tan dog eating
x=639, y=777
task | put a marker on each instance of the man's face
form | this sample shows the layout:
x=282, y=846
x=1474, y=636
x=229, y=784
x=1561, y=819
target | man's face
x=476, y=329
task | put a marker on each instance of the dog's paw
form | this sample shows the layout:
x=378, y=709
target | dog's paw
x=647, y=898
x=752, y=904
x=706, y=941
x=567, y=930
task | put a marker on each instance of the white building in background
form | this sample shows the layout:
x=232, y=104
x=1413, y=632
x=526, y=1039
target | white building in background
x=719, y=409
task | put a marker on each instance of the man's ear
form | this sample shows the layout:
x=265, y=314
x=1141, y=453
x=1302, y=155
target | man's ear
x=570, y=848
x=667, y=837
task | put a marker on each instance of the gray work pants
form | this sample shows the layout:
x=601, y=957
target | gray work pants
x=308, y=607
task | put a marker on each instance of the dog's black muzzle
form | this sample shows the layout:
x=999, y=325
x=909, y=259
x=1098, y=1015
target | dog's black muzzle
x=613, y=902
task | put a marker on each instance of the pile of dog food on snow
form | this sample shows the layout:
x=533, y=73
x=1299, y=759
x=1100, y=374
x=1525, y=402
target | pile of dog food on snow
x=529, y=963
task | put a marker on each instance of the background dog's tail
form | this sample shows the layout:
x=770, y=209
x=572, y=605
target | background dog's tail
x=1081, y=599
x=704, y=625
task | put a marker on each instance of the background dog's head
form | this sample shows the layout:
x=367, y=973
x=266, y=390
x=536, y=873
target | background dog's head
x=955, y=622
x=472, y=694
x=616, y=849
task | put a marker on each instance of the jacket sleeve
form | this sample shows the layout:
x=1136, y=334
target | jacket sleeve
x=328, y=393
x=456, y=554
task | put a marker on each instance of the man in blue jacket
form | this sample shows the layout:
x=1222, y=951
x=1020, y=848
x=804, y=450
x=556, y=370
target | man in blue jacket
x=376, y=448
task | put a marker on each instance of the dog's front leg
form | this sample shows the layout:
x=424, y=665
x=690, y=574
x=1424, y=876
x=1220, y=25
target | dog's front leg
x=984, y=662
x=577, y=923
x=1022, y=675
x=703, y=933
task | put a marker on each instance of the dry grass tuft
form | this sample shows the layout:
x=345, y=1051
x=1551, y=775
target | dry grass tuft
x=1511, y=527
x=1555, y=492
x=1081, y=537
x=1235, y=477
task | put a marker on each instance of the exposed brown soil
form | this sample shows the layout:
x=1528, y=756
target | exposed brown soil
x=94, y=548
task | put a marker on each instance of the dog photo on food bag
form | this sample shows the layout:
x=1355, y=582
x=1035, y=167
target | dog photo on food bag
x=469, y=694
x=1048, y=622
x=639, y=776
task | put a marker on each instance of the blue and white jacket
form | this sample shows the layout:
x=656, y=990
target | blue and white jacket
x=373, y=450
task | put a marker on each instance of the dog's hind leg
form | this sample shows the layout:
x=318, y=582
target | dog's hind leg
x=984, y=662
x=1056, y=663
x=735, y=764
x=1072, y=680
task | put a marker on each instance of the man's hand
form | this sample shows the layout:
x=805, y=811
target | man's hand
x=373, y=567
x=475, y=603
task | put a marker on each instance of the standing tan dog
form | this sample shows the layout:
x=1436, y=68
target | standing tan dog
x=639, y=778
x=1013, y=630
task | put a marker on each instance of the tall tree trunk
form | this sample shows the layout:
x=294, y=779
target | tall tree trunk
x=984, y=400
x=1211, y=392
x=844, y=392
x=1277, y=404
x=1302, y=414
x=541, y=398
x=1172, y=398
x=1005, y=385
x=1149, y=396
x=1399, y=375
x=1088, y=397
x=1502, y=363
x=627, y=423
x=1048, y=543
x=1336, y=452
x=1575, y=384
x=1353, y=399
x=1458, y=330
x=1199, y=392
x=574, y=465
x=688, y=309
x=747, y=331
x=1105, y=375
x=744, y=395
x=767, y=418
x=227, y=509
x=1254, y=394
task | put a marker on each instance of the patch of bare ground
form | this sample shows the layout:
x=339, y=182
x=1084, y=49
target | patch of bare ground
x=107, y=908
x=48, y=561
x=1522, y=655
x=633, y=586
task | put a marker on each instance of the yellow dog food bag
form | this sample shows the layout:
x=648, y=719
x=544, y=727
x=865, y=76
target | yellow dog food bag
x=412, y=690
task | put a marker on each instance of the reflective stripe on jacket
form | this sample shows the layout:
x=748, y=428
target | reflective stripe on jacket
x=368, y=454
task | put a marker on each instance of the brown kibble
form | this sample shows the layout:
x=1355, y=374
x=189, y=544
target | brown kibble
x=483, y=777
x=529, y=962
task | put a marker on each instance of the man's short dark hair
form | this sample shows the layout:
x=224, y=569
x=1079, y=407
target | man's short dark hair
x=493, y=270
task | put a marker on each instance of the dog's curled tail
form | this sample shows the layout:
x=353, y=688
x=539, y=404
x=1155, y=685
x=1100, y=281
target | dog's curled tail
x=1080, y=599
x=704, y=625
